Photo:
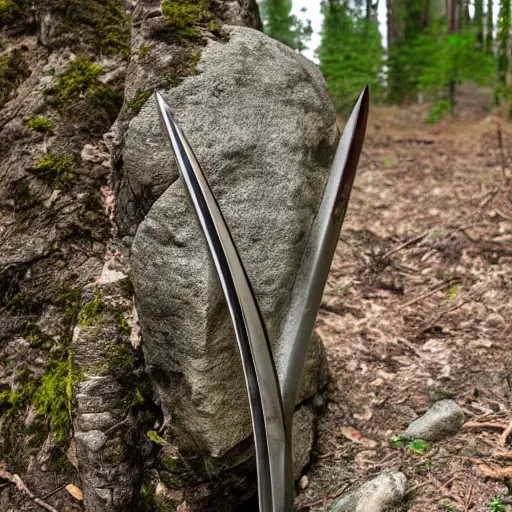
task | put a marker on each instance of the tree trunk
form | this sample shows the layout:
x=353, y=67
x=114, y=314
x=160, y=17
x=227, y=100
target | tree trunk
x=503, y=41
x=65, y=299
x=489, y=36
x=478, y=23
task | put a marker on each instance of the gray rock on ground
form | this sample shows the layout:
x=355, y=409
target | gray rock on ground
x=377, y=495
x=445, y=418
x=262, y=125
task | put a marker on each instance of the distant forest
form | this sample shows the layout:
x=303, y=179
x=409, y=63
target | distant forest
x=433, y=46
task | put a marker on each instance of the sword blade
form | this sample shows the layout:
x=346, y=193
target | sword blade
x=257, y=361
x=317, y=257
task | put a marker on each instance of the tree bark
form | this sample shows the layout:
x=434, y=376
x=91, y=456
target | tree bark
x=65, y=298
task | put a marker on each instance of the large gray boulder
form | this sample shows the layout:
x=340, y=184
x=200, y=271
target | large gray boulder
x=262, y=125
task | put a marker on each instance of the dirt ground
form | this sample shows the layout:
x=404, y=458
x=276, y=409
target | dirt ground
x=418, y=308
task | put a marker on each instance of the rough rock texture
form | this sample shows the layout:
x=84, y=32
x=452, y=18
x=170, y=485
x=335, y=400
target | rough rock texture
x=443, y=419
x=105, y=421
x=53, y=231
x=268, y=167
x=377, y=495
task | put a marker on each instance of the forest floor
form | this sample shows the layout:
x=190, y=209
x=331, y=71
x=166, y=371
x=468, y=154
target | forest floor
x=418, y=307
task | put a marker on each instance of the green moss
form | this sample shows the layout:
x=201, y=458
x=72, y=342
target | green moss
x=120, y=360
x=155, y=438
x=91, y=311
x=148, y=501
x=54, y=396
x=133, y=107
x=103, y=24
x=122, y=323
x=51, y=395
x=8, y=10
x=34, y=336
x=68, y=298
x=183, y=69
x=39, y=124
x=11, y=67
x=138, y=398
x=57, y=169
x=144, y=50
x=19, y=398
x=80, y=75
x=182, y=16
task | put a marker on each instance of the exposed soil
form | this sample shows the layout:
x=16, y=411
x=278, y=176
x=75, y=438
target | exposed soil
x=418, y=308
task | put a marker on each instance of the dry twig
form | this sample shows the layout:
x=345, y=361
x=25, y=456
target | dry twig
x=18, y=482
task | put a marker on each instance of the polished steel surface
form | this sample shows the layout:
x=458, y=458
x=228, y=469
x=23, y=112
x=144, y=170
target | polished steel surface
x=272, y=404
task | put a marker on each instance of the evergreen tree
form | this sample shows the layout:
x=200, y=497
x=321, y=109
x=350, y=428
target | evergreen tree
x=279, y=23
x=407, y=19
x=350, y=53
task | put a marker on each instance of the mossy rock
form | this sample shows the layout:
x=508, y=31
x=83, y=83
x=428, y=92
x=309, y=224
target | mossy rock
x=184, y=18
x=39, y=124
x=56, y=169
x=12, y=68
x=79, y=94
x=102, y=24
x=8, y=11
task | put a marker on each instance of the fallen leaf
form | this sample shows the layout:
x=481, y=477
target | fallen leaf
x=356, y=437
x=75, y=491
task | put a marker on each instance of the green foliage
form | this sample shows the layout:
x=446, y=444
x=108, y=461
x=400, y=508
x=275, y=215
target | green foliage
x=438, y=111
x=155, y=438
x=183, y=17
x=80, y=75
x=418, y=446
x=453, y=291
x=433, y=59
x=350, y=53
x=397, y=441
x=496, y=506
x=11, y=67
x=39, y=124
x=449, y=507
x=57, y=169
x=91, y=311
x=280, y=24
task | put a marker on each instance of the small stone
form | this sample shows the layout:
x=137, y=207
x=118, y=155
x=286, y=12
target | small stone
x=445, y=418
x=303, y=482
x=377, y=495
x=94, y=440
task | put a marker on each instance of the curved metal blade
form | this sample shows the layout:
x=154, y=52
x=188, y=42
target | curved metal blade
x=316, y=260
x=258, y=364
